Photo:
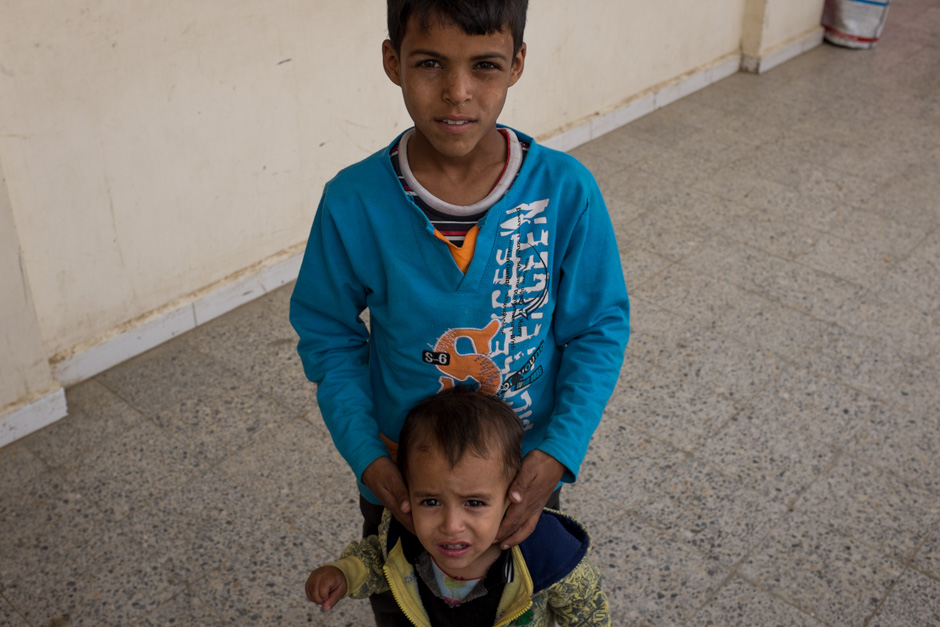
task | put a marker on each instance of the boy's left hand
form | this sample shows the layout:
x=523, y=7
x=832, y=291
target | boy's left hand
x=529, y=492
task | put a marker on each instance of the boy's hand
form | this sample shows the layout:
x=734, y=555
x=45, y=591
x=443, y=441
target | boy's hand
x=384, y=479
x=529, y=492
x=326, y=586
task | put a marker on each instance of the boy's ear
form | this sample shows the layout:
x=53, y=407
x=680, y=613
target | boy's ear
x=391, y=63
x=518, y=64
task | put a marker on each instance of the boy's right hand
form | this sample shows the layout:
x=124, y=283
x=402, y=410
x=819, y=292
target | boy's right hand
x=326, y=586
x=384, y=479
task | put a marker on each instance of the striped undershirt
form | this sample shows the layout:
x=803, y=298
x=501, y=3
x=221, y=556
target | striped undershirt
x=453, y=221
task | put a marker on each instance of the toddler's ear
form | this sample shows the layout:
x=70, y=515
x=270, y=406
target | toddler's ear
x=391, y=62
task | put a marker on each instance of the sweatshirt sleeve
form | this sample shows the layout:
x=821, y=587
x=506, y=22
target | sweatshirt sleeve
x=362, y=565
x=325, y=310
x=578, y=600
x=592, y=325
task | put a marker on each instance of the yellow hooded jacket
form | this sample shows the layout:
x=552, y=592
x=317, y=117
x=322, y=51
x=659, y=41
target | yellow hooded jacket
x=553, y=576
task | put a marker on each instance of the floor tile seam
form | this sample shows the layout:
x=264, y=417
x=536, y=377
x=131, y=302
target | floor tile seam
x=786, y=359
x=903, y=567
x=791, y=500
x=244, y=381
x=102, y=378
x=903, y=561
x=735, y=572
x=758, y=291
x=791, y=603
x=649, y=279
x=138, y=551
x=915, y=563
x=887, y=595
x=169, y=431
x=906, y=480
x=171, y=434
x=212, y=602
x=894, y=402
x=921, y=242
x=335, y=552
x=188, y=589
x=698, y=270
x=71, y=462
x=829, y=275
x=658, y=438
x=842, y=237
x=883, y=344
x=15, y=609
x=739, y=487
x=787, y=504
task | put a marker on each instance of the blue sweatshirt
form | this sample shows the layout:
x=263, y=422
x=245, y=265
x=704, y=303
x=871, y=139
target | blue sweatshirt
x=541, y=317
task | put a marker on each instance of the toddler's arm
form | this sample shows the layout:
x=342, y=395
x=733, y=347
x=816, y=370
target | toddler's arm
x=326, y=586
x=578, y=600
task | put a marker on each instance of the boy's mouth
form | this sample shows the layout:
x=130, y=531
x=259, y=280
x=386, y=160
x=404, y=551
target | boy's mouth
x=453, y=550
x=455, y=125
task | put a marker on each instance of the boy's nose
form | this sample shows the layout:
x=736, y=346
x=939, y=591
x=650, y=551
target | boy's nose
x=451, y=522
x=457, y=89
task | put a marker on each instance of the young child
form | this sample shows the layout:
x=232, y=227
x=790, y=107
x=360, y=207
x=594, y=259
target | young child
x=459, y=451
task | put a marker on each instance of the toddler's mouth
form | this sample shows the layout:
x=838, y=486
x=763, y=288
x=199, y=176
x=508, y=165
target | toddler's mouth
x=454, y=550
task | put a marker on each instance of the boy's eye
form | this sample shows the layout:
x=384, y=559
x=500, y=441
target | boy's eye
x=430, y=502
x=429, y=63
x=487, y=65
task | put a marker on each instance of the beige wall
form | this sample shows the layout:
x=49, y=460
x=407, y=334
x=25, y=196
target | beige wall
x=156, y=152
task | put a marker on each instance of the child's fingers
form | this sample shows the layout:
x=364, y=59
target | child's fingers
x=335, y=594
x=310, y=588
x=326, y=586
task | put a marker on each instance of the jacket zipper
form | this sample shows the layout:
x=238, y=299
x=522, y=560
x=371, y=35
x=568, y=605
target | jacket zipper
x=385, y=569
x=510, y=618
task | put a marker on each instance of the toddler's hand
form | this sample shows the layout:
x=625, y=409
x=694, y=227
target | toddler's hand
x=326, y=586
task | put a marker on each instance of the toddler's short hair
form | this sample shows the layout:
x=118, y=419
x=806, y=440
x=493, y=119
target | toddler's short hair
x=461, y=420
x=475, y=17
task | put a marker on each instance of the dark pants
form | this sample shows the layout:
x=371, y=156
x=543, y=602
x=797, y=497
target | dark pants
x=386, y=610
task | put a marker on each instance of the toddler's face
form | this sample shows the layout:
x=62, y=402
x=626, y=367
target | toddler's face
x=457, y=511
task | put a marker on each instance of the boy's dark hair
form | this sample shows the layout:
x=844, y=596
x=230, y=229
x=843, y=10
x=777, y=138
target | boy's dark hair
x=475, y=17
x=462, y=420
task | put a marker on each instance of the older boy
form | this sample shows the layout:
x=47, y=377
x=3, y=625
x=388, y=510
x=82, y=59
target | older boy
x=531, y=304
x=459, y=451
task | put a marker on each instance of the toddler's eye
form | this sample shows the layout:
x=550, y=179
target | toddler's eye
x=475, y=503
x=430, y=502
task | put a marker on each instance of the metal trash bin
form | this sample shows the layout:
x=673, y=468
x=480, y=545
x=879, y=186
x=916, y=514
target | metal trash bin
x=854, y=23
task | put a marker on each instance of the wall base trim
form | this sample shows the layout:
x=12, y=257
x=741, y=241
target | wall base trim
x=644, y=103
x=166, y=326
x=32, y=416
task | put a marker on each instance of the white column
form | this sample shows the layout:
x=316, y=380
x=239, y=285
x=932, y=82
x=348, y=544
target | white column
x=30, y=398
x=774, y=31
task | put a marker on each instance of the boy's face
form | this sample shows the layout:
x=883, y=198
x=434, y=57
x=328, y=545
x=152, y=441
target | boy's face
x=454, y=84
x=457, y=511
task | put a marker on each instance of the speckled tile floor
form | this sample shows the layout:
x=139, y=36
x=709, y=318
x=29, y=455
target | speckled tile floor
x=770, y=456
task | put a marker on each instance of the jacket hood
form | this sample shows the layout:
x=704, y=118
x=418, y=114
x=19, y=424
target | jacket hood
x=552, y=551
